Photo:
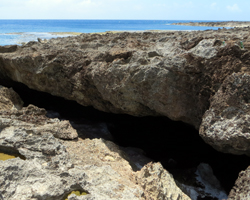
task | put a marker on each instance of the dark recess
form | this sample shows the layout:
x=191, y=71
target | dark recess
x=161, y=138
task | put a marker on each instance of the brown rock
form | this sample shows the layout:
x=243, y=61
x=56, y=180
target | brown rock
x=158, y=183
x=8, y=48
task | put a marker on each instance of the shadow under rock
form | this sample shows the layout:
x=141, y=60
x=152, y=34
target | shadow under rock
x=176, y=145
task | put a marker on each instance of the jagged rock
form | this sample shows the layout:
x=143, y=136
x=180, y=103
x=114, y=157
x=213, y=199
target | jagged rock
x=9, y=99
x=14, y=116
x=216, y=24
x=158, y=183
x=34, y=120
x=131, y=73
x=8, y=48
x=241, y=190
x=139, y=74
x=51, y=168
x=225, y=125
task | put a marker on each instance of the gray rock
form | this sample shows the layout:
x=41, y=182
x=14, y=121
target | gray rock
x=9, y=99
x=129, y=73
x=241, y=190
x=52, y=168
x=158, y=183
x=225, y=125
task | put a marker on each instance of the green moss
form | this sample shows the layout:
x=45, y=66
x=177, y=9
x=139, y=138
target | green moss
x=77, y=193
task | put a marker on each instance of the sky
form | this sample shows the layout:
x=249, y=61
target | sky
x=126, y=9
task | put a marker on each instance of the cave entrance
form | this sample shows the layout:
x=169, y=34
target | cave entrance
x=176, y=145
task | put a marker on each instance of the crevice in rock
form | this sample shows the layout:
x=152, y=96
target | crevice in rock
x=7, y=153
x=176, y=145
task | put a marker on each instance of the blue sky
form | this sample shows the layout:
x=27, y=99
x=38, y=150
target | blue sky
x=126, y=9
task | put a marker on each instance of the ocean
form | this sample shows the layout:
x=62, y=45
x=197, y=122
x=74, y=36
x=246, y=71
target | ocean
x=21, y=31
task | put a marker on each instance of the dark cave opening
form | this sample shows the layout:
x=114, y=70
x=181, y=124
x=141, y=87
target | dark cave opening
x=160, y=138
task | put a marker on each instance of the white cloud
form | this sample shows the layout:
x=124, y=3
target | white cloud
x=234, y=8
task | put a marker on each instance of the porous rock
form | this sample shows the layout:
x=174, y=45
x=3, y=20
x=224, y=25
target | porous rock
x=225, y=125
x=9, y=99
x=169, y=74
x=216, y=24
x=13, y=116
x=140, y=74
x=241, y=190
x=51, y=168
x=158, y=183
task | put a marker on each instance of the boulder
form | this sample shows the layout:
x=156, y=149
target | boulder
x=129, y=73
x=140, y=74
x=225, y=126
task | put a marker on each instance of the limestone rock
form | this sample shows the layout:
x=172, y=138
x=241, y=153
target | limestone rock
x=225, y=125
x=158, y=183
x=9, y=99
x=170, y=74
x=130, y=73
x=241, y=190
x=52, y=168
x=32, y=118
x=216, y=24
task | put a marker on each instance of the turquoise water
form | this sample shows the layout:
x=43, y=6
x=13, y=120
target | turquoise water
x=18, y=31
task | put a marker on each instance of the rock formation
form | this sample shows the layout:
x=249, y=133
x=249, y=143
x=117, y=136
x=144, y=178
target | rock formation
x=117, y=72
x=200, y=78
x=51, y=168
x=216, y=24
x=241, y=190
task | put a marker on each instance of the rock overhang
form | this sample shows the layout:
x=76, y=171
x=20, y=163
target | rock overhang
x=140, y=74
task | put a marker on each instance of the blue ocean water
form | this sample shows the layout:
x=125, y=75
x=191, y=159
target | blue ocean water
x=18, y=31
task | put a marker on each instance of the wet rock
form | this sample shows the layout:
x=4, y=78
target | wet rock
x=140, y=74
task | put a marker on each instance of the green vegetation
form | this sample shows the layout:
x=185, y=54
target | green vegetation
x=241, y=45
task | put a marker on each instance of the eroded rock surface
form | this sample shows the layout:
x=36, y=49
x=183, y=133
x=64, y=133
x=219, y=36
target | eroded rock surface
x=171, y=74
x=52, y=168
x=9, y=99
x=241, y=190
x=181, y=75
x=225, y=125
x=216, y=24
